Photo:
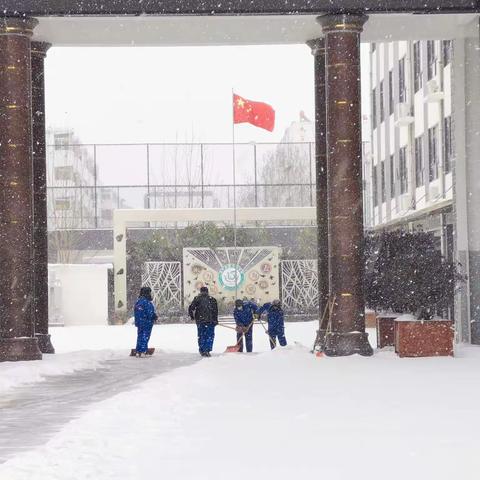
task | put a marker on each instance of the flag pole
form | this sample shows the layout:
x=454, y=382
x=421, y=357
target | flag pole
x=234, y=196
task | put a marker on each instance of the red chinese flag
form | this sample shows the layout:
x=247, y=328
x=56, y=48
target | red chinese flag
x=257, y=113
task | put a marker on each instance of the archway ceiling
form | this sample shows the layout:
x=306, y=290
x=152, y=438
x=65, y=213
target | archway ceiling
x=189, y=30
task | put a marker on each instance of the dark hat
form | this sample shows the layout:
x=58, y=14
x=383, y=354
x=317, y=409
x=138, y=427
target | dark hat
x=203, y=290
x=146, y=292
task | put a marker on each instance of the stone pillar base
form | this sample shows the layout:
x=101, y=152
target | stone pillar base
x=342, y=344
x=16, y=349
x=44, y=343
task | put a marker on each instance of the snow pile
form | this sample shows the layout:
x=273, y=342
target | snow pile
x=15, y=374
x=277, y=415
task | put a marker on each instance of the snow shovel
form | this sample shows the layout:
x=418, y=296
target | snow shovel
x=273, y=342
x=150, y=352
x=328, y=308
x=236, y=348
x=226, y=326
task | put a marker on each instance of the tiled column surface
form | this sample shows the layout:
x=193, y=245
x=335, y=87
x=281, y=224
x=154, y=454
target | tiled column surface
x=40, y=232
x=318, y=52
x=17, y=331
x=344, y=169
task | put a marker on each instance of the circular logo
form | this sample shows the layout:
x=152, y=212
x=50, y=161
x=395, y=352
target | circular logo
x=196, y=269
x=231, y=276
x=250, y=289
x=253, y=276
x=263, y=284
x=207, y=276
x=265, y=268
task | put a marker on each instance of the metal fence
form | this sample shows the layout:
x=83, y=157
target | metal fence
x=87, y=182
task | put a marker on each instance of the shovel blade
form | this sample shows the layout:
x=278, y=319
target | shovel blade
x=232, y=349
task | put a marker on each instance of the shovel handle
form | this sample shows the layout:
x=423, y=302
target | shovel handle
x=226, y=326
x=266, y=331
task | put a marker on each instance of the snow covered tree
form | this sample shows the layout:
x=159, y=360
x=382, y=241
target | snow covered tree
x=406, y=273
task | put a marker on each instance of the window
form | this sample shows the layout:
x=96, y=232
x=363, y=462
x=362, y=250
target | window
x=61, y=140
x=383, y=193
x=382, y=107
x=447, y=144
x=374, y=108
x=402, y=92
x=374, y=186
x=419, y=167
x=62, y=204
x=432, y=153
x=417, y=67
x=64, y=173
x=403, y=170
x=446, y=52
x=390, y=92
x=392, y=176
x=431, y=59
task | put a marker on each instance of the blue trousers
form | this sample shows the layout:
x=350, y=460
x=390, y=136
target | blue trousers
x=206, y=335
x=248, y=339
x=274, y=332
x=143, y=336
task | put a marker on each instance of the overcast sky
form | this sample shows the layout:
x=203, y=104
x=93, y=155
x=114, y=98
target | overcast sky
x=123, y=95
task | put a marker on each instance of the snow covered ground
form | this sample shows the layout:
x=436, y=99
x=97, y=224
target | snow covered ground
x=272, y=415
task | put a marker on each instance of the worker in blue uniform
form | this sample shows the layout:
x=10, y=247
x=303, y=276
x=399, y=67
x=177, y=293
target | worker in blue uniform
x=243, y=315
x=276, y=323
x=145, y=317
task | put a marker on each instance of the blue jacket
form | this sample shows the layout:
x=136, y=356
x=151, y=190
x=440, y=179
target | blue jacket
x=274, y=315
x=244, y=316
x=144, y=312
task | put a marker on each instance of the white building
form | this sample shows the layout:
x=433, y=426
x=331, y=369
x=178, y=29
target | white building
x=410, y=180
x=290, y=167
x=409, y=174
x=76, y=198
x=70, y=169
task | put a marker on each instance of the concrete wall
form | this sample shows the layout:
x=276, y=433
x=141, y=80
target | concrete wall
x=79, y=294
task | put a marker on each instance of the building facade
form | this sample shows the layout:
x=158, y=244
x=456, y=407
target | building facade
x=76, y=199
x=409, y=172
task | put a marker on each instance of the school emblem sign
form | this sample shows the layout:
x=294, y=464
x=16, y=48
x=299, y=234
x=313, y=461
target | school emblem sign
x=232, y=272
x=231, y=276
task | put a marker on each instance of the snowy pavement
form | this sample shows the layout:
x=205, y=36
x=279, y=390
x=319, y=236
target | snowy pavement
x=273, y=415
x=36, y=412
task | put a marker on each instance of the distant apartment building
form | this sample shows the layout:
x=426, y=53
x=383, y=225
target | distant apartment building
x=408, y=173
x=289, y=169
x=76, y=198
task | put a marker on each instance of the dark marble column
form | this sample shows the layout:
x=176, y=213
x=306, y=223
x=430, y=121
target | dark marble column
x=318, y=52
x=17, y=330
x=40, y=232
x=346, y=334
